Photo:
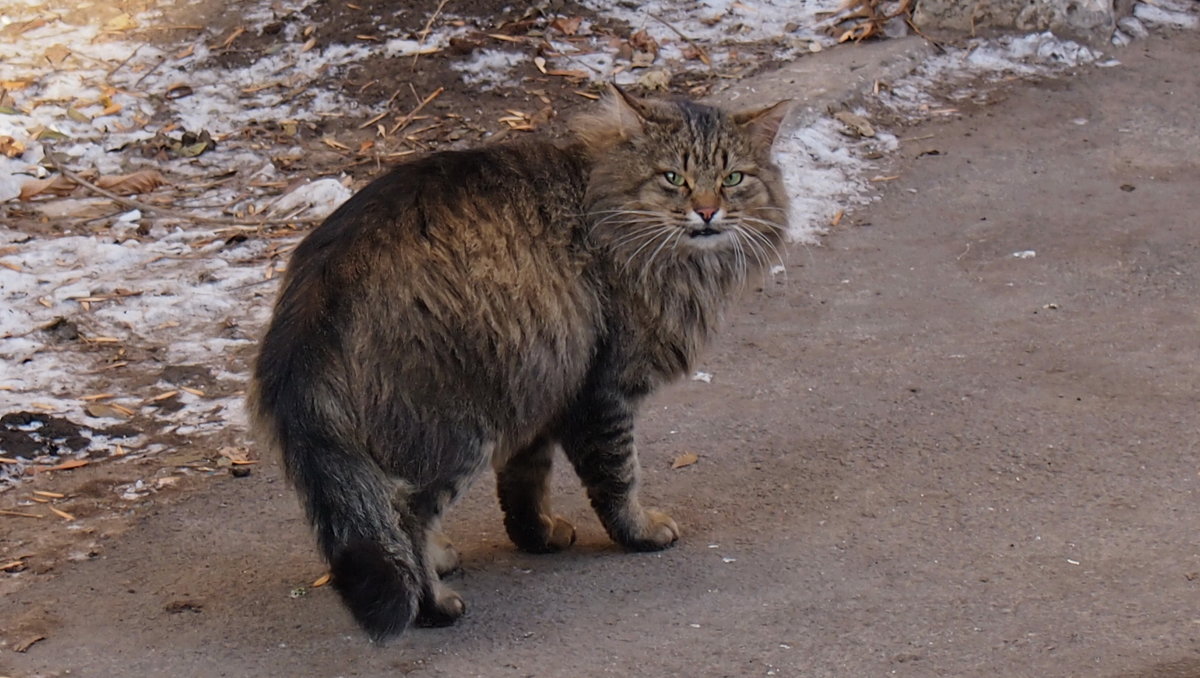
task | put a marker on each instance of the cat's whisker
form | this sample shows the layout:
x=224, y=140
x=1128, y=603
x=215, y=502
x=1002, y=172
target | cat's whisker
x=663, y=229
x=618, y=220
x=629, y=239
x=760, y=246
x=762, y=237
x=654, y=255
x=739, y=256
x=611, y=216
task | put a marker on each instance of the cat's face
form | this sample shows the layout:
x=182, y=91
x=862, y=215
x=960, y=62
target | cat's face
x=685, y=180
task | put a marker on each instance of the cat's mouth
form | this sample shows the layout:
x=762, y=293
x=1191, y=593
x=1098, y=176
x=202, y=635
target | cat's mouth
x=703, y=232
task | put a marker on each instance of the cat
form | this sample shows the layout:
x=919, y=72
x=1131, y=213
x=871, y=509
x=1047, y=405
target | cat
x=491, y=306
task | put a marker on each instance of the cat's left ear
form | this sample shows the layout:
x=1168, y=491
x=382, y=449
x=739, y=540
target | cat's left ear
x=763, y=123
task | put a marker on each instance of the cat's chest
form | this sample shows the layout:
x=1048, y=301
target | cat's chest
x=657, y=336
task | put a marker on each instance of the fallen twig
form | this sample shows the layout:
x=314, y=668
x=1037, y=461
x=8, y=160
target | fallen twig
x=161, y=211
x=691, y=43
x=413, y=113
x=19, y=514
x=424, y=32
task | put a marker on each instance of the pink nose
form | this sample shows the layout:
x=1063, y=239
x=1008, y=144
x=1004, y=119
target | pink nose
x=707, y=213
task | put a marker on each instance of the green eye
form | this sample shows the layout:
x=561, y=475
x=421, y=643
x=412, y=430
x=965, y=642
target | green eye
x=674, y=178
x=732, y=179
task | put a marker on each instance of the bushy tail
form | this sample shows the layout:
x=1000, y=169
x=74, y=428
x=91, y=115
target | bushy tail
x=299, y=406
x=369, y=541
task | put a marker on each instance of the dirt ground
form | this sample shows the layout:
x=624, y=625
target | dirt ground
x=920, y=455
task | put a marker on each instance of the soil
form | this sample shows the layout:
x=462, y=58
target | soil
x=919, y=455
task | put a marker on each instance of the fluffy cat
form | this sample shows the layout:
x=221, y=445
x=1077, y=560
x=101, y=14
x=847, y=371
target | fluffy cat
x=490, y=306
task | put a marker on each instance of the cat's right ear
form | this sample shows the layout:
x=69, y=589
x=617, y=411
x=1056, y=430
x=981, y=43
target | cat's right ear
x=622, y=117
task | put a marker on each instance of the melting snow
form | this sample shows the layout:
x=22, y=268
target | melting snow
x=193, y=296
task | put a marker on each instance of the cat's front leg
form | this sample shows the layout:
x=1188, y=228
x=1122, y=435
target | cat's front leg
x=598, y=439
x=521, y=483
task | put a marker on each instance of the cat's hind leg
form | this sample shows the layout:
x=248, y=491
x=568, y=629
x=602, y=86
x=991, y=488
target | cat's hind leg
x=441, y=553
x=439, y=604
x=598, y=439
x=522, y=485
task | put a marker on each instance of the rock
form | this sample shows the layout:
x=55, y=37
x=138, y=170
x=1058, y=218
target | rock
x=1134, y=27
x=1089, y=21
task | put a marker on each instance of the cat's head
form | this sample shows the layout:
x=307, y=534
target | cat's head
x=680, y=179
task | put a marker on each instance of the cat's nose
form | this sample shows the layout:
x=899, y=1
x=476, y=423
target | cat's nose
x=707, y=213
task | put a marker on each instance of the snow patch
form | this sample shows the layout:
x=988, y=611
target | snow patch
x=1167, y=14
x=822, y=173
x=489, y=68
x=317, y=199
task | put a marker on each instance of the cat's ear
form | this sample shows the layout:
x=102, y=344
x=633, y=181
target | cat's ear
x=632, y=110
x=763, y=123
x=622, y=117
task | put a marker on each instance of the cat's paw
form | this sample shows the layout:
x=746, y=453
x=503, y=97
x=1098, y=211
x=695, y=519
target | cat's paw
x=444, y=610
x=551, y=535
x=655, y=532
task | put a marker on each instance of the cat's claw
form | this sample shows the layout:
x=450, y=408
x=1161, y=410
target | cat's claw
x=444, y=612
x=658, y=532
x=553, y=534
x=562, y=534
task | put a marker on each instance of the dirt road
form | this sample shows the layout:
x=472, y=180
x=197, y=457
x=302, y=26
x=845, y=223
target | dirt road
x=920, y=455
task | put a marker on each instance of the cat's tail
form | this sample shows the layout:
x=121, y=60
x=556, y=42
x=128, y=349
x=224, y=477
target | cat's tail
x=371, y=542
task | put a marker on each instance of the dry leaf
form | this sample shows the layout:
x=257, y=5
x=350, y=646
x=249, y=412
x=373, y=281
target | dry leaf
x=18, y=29
x=130, y=184
x=56, y=54
x=27, y=643
x=235, y=455
x=11, y=148
x=685, y=459
x=856, y=125
x=655, y=80
x=540, y=62
x=55, y=185
x=567, y=26
x=321, y=581
x=643, y=42
x=52, y=495
x=121, y=22
x=105, y=410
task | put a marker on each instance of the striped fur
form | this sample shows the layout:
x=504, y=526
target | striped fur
x=491, y=306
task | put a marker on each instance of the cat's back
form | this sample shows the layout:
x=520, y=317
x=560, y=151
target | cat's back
x=461, y=269
x=506, y=191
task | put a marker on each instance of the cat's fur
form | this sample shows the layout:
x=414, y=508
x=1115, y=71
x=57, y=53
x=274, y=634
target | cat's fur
x=488, y=306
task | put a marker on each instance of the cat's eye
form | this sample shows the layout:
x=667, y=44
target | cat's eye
x=674, y=178
x=732, y=179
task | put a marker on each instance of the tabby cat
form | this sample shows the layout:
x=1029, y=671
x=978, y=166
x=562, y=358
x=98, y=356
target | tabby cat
x=493, y=305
